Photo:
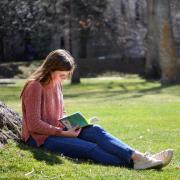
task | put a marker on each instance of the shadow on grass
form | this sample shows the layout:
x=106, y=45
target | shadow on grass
x=50, y=158
x=106, y=90
x=6, y=83
x=41, y=154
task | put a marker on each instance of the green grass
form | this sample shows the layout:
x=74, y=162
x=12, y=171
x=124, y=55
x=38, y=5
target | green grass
x=144, y=114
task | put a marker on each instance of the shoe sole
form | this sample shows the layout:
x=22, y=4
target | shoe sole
x=158, y=166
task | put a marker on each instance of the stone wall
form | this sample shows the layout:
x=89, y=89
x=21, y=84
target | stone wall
x=95, y=67
x=130, y=21
x=88, y=67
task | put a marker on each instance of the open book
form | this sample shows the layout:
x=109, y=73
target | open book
x=77, y=119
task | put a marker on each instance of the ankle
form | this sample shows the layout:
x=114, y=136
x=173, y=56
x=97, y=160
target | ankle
x=136, y=156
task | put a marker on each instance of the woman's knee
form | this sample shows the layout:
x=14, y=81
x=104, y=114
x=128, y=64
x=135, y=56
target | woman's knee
x=97, y=128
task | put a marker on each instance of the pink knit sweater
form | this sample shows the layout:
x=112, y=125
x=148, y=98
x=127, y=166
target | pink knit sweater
x=41, y=107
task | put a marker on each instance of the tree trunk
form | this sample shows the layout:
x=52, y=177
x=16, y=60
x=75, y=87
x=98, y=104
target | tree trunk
x=170, y=66
x=10, y=124
x=1, y=49
x=74, y=45
x=83, y=43
x=75, y=52
x=80, y=48
x=152, y=66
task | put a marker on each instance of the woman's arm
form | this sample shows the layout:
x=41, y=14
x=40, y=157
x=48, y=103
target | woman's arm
x=32, y=105
x=74, y=132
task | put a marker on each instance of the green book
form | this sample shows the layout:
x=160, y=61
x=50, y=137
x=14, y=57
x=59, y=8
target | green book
x=75, y=119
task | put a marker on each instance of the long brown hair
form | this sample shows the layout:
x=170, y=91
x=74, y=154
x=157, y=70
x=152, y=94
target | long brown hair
x=57, y=60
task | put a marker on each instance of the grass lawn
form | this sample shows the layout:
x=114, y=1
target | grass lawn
x=144, y=114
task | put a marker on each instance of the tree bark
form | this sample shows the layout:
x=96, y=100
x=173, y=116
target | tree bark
x=83, y=43
x=75, y=52
x=10, y=125
x=152, y=66
x=170, y=67
x=1, y=49
x=74, y=45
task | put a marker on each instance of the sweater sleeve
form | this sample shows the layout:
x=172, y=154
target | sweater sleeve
x=32, y=103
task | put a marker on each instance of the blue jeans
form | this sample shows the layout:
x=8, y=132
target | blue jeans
x=92, y=143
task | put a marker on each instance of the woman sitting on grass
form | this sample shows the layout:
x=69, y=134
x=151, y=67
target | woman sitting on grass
x=42, y=107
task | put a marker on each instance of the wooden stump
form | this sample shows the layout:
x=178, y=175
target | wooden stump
x=10, y=124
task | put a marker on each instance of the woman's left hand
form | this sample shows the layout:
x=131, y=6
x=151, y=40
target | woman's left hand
x=74, y=132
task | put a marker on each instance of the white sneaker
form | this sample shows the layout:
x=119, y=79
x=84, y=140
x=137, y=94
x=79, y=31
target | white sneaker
x=165, y=156
x=147, y=162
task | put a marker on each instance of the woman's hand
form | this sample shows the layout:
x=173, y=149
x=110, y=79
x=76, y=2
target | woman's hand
x=74, y=132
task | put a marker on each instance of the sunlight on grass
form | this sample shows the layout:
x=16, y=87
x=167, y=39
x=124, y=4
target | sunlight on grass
x=142, y=113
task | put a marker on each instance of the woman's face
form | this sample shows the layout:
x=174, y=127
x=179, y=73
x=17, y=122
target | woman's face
x=58, y=76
